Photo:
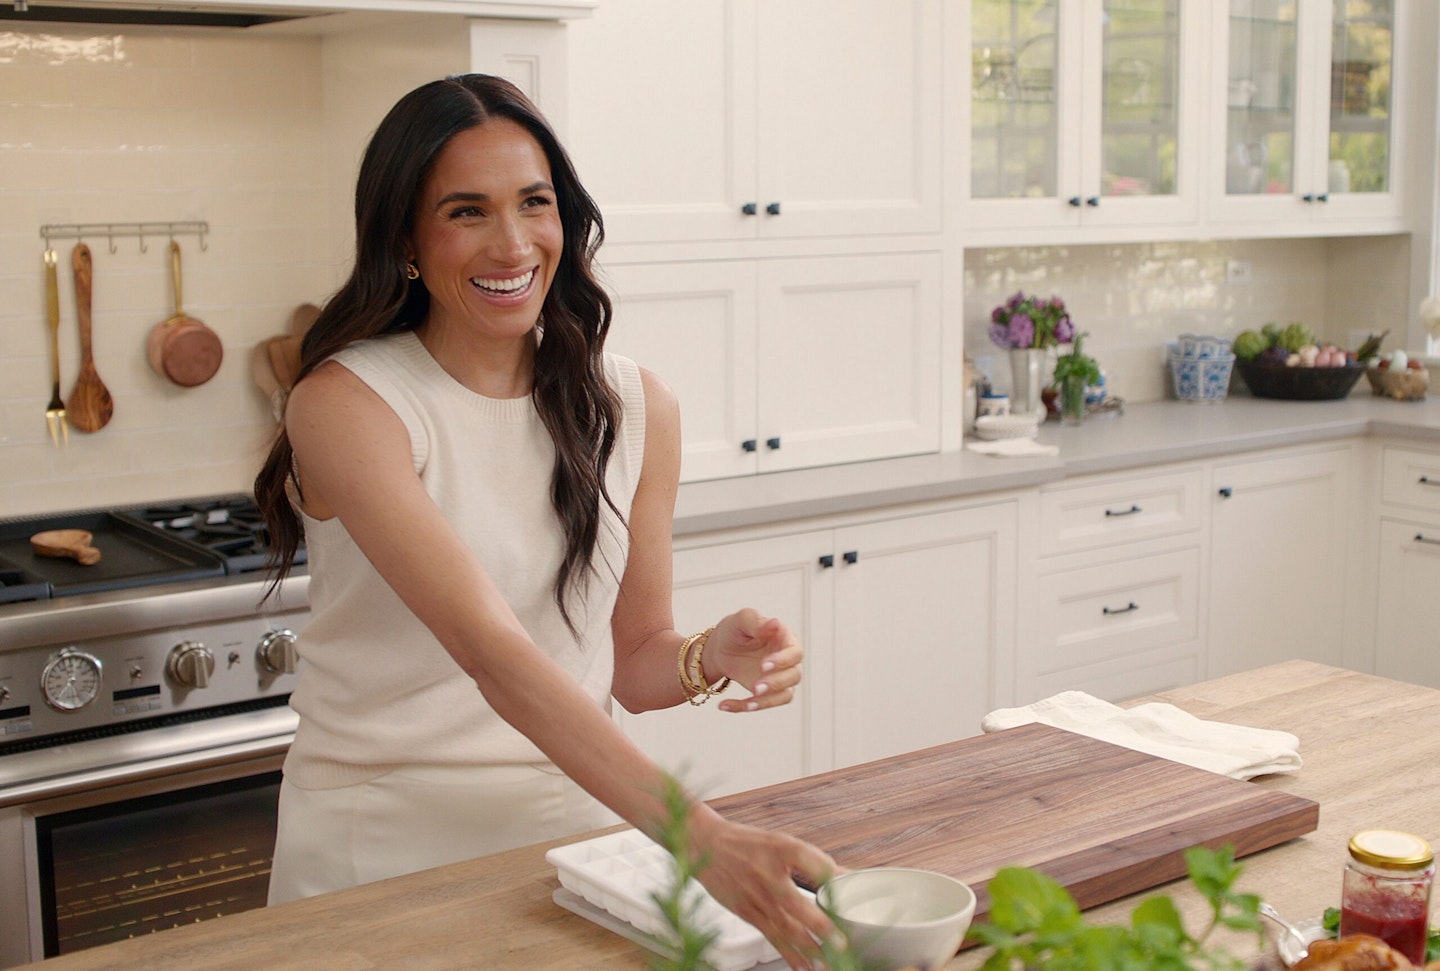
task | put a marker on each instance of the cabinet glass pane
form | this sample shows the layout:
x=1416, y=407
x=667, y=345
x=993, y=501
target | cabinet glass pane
x=1260, y=96
x=1013, y=129
x=1362, y=46
x=1139, y=104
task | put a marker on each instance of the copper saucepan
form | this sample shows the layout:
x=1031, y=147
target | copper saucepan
x=180, y=347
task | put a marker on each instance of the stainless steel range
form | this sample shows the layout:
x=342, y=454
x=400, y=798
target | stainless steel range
x=143, y=721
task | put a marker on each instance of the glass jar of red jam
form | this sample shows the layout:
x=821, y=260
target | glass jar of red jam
x=1386, y=892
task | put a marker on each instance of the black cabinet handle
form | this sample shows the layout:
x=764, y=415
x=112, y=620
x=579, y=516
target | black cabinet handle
x=1422, y=538
x=827, y=561
x=1074, y=201
x=1093, y=201
x=1123, y=512
x=1112, y=611
x=773, y=209
x=1323, y=197
x=1308, y=197
x=749, y=444
x=749, y=209
x=773, y=442
x=1226, y=492
x=853, y=556
x=1426, y=480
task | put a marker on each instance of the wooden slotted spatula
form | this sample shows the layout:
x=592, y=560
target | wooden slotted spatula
x=90, y=406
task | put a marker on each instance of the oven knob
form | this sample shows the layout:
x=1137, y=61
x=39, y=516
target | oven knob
x=278, y=652
x=190, y=665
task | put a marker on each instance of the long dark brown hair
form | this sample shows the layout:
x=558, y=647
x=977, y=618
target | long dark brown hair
x=578, y=407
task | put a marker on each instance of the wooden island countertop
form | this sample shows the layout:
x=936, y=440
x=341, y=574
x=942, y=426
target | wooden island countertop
x=1371, y=750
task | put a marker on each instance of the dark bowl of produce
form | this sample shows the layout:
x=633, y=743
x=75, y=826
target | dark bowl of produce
x=1267, y=380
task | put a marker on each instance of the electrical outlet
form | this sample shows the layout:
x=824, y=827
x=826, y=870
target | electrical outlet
x=1237, y=272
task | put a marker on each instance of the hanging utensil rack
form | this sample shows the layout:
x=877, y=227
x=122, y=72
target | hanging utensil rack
x=114, y=231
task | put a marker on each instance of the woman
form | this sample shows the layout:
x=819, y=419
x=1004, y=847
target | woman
x=486, y=499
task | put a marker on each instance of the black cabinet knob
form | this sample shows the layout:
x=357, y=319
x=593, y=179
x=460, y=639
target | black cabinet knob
x=1323, y=197
x=1074, y=201
x=773, y=209
x=1093, y=201
x=827, y=561
x=853, y=556
x=749, y=444
x=773, y=442
x=1226, y=492
x=1308, y=197
x=749, y=209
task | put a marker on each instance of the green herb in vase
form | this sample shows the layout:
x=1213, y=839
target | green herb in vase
x=1074, y=374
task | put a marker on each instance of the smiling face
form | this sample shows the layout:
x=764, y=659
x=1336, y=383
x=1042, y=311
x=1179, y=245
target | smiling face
x=487, y=238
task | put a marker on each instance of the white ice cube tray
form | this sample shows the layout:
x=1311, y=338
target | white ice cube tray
x=617, y=874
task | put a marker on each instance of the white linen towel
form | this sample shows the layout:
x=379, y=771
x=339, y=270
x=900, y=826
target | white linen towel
x=1013, y=447
x=1163, y=730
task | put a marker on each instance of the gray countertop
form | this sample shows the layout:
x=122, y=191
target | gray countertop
x=1146, y=434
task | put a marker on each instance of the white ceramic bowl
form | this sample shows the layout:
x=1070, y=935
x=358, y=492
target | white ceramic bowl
x=896, y=917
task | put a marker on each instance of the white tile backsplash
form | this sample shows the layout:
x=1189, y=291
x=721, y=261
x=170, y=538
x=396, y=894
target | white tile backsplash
x=153, y=126
x=1133, y=298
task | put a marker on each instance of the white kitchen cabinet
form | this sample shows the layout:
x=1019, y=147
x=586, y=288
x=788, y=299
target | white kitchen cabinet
x=1307, y=132
x=1407, y=611
x=1279, y=540
x=789, y=363
x=1407, y=646
x=750, y=119
x=716, y=752
x=904, y=622
x=924, y=613
x=1117, y=587
x=1083, y=113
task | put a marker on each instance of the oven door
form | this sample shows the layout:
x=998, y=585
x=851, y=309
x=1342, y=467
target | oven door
x=117, y=861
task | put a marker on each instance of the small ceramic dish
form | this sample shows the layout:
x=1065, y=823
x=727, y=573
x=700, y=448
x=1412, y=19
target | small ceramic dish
x=1289, y=948
x=995, y=427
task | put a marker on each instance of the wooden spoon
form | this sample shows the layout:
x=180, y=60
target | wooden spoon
x=72, y=543
x=90, y=406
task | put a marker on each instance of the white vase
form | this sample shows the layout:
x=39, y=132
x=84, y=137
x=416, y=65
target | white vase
x=1027, y=380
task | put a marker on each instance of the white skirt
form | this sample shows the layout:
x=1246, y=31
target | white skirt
x=420, y=817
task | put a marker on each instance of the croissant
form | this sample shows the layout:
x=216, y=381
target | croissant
x=1358, y=952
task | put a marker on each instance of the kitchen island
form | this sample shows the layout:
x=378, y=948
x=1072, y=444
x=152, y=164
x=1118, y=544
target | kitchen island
x=1371, y=749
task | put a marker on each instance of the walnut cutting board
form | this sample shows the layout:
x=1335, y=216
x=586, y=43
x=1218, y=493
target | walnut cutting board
x=1104, y=821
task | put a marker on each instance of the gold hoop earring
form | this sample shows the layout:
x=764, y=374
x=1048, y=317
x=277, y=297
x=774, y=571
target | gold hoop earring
x=412, y=272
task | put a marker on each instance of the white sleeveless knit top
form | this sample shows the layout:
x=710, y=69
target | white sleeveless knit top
x=376, y=689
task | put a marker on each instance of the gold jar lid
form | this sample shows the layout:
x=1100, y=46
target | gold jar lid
x=1391, y=850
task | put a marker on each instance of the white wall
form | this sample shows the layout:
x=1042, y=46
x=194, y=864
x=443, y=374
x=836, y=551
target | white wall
x=1133, y=298
x=235, y=128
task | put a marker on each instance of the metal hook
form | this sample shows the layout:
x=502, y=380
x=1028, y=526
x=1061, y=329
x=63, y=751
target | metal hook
x=203, y=246
x=110, y=235
x=143, y=250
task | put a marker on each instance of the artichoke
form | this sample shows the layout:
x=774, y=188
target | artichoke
x=1248, y=344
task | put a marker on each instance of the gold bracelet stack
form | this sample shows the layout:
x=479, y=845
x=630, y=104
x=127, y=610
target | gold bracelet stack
x=692, y=669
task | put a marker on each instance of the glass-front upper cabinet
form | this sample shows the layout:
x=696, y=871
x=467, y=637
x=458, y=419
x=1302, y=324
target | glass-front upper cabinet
x=1306, y=129
x=1083, y=113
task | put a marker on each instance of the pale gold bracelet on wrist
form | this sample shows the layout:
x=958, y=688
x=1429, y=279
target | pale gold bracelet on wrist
x=692, y=669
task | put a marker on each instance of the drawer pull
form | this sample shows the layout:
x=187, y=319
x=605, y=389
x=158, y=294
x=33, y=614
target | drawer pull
x=1112, y=611
x=1422, y=538
x=1123, y=512
x=853, y=556
x=827, y=561
x=1226, y=492
x=1426, y=480
x=748, y=445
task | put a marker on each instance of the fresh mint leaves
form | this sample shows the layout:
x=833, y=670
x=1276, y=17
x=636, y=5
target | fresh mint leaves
x=1035, y=923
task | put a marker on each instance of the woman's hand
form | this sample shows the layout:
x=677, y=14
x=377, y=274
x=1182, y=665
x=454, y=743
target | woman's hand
x=761, y=654
x=752, y=873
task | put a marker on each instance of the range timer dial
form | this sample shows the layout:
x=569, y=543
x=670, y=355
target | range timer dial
x=70, y=680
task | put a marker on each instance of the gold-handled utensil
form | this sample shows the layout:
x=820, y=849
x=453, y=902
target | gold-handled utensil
x=90, y=404
x=55, y=410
